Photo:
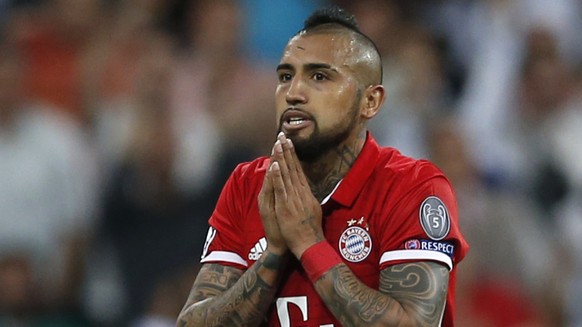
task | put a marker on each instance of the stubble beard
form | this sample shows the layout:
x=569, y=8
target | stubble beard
x=319, y=143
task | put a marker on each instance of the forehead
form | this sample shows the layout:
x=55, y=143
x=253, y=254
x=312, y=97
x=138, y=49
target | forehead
x=331, y=48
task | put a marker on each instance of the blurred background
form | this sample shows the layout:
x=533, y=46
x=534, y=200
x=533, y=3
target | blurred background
x=120, y=120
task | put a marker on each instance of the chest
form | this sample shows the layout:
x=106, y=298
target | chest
x=352, y=232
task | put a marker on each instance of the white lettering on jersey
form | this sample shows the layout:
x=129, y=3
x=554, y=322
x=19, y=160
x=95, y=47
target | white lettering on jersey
x=283, y=309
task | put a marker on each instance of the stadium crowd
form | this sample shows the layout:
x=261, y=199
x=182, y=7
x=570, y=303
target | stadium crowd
x=121, y=119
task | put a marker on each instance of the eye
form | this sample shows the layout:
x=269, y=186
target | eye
x=319, y=76
x=285, y=77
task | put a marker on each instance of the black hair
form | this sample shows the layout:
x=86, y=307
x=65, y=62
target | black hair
x=334, y=15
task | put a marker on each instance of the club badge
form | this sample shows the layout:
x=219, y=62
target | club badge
x=355, y=243
x=434, y=218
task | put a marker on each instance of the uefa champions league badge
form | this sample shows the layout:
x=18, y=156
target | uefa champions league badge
x=412, y=245
x=355, y=243
x=434, y=218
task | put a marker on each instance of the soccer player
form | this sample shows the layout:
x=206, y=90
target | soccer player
x=331, y=229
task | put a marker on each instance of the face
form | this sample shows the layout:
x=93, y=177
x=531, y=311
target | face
x=318, y=96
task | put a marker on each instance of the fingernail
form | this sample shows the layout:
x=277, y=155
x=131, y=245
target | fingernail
x=282, y=137
x=290, y=143
x=275, y=165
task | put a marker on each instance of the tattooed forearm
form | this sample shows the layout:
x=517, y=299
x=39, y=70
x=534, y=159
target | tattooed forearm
x=224, y=296
x=349, y=300
x=410, y=295
x=212, y=281
x=421, y=286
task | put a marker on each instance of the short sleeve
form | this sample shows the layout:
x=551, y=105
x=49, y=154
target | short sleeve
x=223, y=241
x=423, y=225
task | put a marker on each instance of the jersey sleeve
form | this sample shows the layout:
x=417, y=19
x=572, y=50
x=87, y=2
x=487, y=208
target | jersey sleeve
x=423, y=225
x=223, y=241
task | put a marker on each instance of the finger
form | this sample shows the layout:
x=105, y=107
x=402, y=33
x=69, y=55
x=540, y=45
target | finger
x=267, y=189
x=273, y=152
x=266, y=199
x=282, y=165
x=279, y=190
x=297, y=164
x=292, y=163
x=268, y=180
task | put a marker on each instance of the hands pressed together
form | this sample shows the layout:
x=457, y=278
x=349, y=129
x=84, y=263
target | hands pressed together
x=290, y=212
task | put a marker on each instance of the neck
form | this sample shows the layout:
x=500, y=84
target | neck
x=325, y=173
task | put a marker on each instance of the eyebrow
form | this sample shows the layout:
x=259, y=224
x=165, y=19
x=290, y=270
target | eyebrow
x=310, y=66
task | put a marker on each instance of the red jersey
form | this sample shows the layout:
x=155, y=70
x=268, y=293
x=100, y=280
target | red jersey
x=388, y=209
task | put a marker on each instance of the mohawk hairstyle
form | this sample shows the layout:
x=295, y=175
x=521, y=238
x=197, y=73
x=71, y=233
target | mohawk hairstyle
x=335, y=15
x=331, y=15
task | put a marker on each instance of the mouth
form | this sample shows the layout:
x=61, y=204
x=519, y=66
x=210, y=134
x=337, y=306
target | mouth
x=294, y=120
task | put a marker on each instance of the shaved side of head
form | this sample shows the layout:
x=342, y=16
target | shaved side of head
x=365, y=57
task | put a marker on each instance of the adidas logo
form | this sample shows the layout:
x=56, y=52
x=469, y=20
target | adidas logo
x=257, y=250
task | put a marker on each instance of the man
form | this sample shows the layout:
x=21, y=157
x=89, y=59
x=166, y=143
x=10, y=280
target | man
x=331, y=230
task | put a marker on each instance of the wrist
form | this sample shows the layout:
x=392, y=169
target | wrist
x=270, y=267
x=280, y=251
x=318, y=259
x=273, y=261
x=300, y=246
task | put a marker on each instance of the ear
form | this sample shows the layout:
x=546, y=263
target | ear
x=372, y=101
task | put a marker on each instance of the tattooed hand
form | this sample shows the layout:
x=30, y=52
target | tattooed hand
x=298, y=212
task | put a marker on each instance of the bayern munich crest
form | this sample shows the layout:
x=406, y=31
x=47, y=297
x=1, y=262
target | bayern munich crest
x=355, y=244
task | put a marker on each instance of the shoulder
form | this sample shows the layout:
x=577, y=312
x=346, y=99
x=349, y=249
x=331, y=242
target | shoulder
x=405, y=169
x=251, y=170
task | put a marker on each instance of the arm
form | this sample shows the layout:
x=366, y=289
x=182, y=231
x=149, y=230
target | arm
x=227, y=296
x=411, y=294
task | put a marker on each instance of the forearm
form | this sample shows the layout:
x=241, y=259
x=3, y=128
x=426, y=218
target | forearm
x=245, y=302
x=355, y=304
x=410, y=294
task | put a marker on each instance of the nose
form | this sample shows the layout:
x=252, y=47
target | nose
x=296, y=92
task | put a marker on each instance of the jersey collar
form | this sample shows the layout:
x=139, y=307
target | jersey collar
x=353, y=182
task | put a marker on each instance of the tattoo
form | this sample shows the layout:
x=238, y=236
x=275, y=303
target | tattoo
x=224, y=296
x=346, y=158
x=418, y=288
x=212, y=281
x=272, y=261
x=421, y=286
x=325, y=174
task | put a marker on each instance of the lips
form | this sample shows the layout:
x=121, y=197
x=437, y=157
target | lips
x=293, y=120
